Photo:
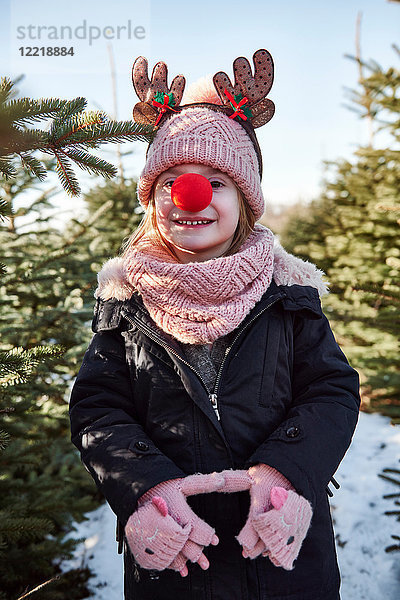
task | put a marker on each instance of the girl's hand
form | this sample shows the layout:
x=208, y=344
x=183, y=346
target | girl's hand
x=284, y=527
x=199, y=534
x=260, y=480
x=179, y=563
x=154, y=538
x=263, y=479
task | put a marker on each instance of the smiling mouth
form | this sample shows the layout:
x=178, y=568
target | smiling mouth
x=202, y=223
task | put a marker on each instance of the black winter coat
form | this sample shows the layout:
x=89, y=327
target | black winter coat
x=286, y=397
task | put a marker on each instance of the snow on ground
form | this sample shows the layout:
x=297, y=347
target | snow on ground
x=362, y=530
x=99, y=553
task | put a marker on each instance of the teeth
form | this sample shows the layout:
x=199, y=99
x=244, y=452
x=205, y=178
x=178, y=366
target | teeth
x=192, y=222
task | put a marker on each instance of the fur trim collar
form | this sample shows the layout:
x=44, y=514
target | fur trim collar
x=288, y=270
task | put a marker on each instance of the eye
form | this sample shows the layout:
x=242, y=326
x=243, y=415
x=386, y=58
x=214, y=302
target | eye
x=216, y=185
x=168, y=183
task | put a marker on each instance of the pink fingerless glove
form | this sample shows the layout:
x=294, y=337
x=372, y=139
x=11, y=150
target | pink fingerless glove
x=154, y=537
x=278, y=518
x=263, y=479
x=284, y=527
x=168, y=540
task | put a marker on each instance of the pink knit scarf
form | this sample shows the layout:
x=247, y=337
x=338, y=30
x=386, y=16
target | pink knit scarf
x=201, y=301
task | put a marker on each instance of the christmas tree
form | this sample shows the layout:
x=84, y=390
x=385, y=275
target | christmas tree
x=351, y=232
x=47, y=284
x=43, y=487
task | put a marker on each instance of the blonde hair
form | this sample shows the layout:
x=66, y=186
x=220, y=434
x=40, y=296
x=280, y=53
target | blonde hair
x=148, y=226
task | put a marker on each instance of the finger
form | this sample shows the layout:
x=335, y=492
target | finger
x=267, y=530
x=201, y=484
x=192, y=551
x=201, y=532
x=258, y=549
x=184, y=572
x=248, y=536
x=179, y=564
x=203, y=562
x=275, y=561
x=236, y=481
x=215, y=540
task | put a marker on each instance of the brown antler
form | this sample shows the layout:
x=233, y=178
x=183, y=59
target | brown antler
x=254, y=88
x=145, y=111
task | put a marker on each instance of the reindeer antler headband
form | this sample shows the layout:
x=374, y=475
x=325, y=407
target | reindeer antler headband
x=245, y=101
x=216, y=128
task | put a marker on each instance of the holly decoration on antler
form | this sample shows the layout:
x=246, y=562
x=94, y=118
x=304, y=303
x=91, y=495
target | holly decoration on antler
x=238, y=104
x=163, y=102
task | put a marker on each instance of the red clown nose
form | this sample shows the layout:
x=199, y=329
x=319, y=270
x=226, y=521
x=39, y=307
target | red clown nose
x=191, y=192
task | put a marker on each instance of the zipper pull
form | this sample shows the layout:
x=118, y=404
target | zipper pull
x=213, y=399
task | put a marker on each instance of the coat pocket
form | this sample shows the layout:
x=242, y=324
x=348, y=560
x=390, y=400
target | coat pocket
x=272, y=350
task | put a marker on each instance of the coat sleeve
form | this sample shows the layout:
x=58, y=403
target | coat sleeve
x=309, y=444
x=122, y=459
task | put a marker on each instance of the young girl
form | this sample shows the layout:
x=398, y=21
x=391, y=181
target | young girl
x=213, y=405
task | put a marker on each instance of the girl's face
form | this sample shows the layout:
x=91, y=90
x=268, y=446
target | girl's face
x=197, y=242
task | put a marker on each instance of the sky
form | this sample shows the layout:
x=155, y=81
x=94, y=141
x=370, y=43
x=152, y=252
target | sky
x=308, y=41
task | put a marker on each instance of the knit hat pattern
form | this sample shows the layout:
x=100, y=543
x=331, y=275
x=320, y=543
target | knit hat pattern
x=204, y=136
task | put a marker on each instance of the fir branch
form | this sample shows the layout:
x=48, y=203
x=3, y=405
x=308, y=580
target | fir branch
x=18, y=364
x=13, y=140
x=118, y=131
x=7, y=169
x=4, y=439
x=71, y=107
x=31, y=269
x=5, y=209
x=86, y=131
x=71, y=133
x=25, y=110
x=66, y=174
x=70, y=127
x=6, y=87
x=91, y=163
x=29, y=528
x=33, y=165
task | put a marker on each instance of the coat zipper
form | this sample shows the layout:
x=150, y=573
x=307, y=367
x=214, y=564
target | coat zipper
x=158, y=340
x=213, y=396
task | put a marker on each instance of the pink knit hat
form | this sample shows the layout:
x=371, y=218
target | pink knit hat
x=200, y=135
x=206, y=132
